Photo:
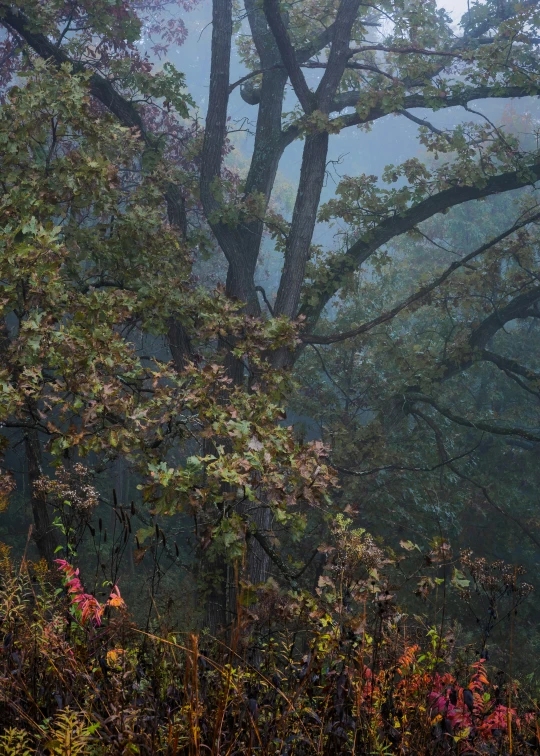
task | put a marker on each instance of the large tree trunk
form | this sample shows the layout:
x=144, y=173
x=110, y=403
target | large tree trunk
x=258, y=561
x=44, y=532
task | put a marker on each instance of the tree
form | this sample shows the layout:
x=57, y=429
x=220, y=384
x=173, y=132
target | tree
x=88, y=262
x=374, y=61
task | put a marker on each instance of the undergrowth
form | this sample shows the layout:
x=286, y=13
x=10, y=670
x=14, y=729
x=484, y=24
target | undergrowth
x=340, y=670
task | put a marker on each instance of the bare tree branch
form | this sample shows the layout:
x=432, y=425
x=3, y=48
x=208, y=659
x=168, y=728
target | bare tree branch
x=424, y=122
x=411, y=397
x=288, y=55
x=352, y=98
x=338, y=269
x=421, y=293
x=403, y=468
x=516, y=308
x=339, y=53
x=462, y=476
x=525, y=529
x=508, y=365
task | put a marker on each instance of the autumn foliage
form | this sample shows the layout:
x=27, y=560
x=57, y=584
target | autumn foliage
x=347, y=672
x=194, y=578
x=87, y=606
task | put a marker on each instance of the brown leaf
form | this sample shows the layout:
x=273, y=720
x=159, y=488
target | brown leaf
x=325, y=580
x=138, y=555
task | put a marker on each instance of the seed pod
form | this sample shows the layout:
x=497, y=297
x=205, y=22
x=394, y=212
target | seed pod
x=253, y=707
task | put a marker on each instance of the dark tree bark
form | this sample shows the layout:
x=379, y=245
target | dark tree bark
x=314, y=156
x=44, y=533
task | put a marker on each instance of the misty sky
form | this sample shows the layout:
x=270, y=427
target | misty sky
x=456, y=7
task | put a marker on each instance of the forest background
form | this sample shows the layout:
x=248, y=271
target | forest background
x=269, y=290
